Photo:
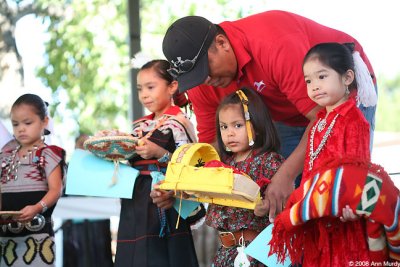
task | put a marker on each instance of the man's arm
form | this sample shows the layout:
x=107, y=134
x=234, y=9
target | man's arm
x=282, y=183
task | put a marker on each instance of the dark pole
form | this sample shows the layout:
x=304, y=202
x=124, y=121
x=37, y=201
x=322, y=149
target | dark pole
x=136, y=110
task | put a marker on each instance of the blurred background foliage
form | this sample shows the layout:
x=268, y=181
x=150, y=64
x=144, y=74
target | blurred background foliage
x=87, y=52
x=87, y=60
x=87, y=64
x=388, y=110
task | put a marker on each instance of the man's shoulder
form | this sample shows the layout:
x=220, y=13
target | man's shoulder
x=270, y=17
x=209, y=93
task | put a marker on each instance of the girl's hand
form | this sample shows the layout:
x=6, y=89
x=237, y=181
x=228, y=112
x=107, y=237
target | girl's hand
x=163, y=199
x=149, y=150
x=348, y=215
x=184, y=195
x=261, y=208
x=28, y=212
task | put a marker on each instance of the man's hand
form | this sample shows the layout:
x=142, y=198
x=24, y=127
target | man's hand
x=276, y=195
x=282, y=183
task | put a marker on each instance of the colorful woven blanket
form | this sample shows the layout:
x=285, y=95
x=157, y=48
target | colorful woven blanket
x=364, y=186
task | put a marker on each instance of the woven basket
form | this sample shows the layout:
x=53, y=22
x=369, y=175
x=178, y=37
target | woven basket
x=112, y=148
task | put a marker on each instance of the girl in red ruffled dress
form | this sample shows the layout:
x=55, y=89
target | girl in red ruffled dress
x=340, y=131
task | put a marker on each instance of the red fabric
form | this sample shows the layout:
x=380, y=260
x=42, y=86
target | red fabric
x=173, y=111
x=216, y=163
x=309, y=229
x=257, y=166
x=263, y=182
x=57, y=150
x=270, y=48
x=180, y=99
x=205, y=100
x=349, y=136
x=339, y=243
x=276, y=58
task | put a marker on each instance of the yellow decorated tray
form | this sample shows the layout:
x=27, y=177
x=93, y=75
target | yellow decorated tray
x=219, y=185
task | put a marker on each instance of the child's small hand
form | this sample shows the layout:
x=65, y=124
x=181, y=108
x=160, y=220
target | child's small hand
x=163, y=199
x=184, y=195
x=348, y=215
x=147, y=149
x=28, y=212
x=260, y=210
x=140, y=142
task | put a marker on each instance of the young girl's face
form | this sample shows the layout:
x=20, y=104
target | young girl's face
x=325, y=86
x=154, y=92
x=28, y=128
x=232, y=126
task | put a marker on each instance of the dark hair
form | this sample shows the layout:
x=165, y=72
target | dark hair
x=266, y=137
x=220, y=30
x=161, y=67
x=37, y=103
x=337, y=56
x=213, y=45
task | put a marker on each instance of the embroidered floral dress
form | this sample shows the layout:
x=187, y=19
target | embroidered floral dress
x=147, y=234
x=232, y=219
x=328, y=241
x=27, y=186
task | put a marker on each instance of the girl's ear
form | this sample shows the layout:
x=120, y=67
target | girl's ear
x=173, y=87
x=45, y=122
x=348, y=77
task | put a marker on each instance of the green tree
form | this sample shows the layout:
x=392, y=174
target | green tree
x=87, y=53
x=88, y=63
x=88, y=60
x=11, y=62
x=388, y=104
x=10, y=13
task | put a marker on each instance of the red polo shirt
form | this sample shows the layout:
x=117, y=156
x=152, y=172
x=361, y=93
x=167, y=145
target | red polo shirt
x=270, y=48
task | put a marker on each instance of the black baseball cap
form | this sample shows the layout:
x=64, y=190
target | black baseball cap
x=185, y=45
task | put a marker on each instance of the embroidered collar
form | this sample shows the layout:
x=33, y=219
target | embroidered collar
x=172, y=111
x=342, y=110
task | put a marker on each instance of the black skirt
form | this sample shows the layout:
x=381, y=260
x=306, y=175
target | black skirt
x=139, y=243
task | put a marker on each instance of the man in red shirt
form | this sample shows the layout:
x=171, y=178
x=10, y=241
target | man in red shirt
x=264, y=52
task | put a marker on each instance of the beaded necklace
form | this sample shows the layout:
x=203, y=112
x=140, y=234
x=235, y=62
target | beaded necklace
x=314, y=154
x=235, y=162
x=321, y=125
x=12, y=163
